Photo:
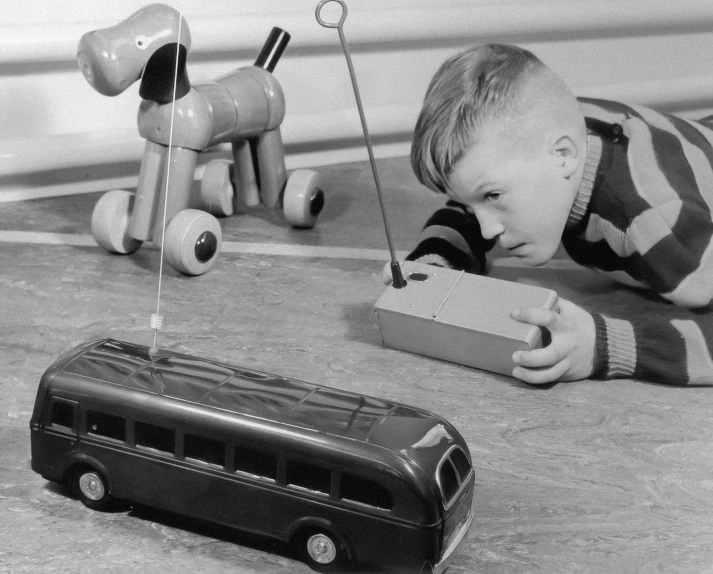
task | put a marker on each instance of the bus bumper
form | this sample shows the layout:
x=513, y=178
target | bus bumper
x=453, y=546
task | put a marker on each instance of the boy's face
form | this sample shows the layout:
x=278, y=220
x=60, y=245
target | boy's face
x=520, y=196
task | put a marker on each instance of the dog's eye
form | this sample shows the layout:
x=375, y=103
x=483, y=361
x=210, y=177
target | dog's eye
x=142, y=42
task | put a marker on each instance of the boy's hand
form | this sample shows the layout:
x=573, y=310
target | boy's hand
x=570, y=354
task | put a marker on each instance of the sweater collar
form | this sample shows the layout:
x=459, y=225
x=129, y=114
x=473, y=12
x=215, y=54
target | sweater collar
x=589, y=175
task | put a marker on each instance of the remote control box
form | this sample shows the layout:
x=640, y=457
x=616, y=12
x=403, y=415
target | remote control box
x=460, y=317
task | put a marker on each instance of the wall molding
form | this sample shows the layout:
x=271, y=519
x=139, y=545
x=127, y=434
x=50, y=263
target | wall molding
x=333, y=134
x=524, y=21
x=54, y=152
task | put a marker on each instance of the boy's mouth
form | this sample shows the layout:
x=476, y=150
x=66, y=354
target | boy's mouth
x=514, y=249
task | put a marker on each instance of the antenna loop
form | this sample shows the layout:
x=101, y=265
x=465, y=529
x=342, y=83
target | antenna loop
x=322, y=22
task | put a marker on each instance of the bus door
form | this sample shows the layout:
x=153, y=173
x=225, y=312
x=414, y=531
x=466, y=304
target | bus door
x=58, y=432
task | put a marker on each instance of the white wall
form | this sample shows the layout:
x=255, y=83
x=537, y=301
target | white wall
x=59, y=136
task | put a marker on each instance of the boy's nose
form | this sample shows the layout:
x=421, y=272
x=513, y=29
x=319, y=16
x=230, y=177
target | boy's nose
x=490, y=227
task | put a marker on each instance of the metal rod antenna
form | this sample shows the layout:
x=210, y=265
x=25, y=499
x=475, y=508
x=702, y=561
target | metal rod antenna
x=397, y=278
x=157, y=318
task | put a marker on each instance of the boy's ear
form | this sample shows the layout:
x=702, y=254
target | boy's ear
x=566, y=155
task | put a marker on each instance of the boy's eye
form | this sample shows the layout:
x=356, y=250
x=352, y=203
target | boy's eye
x=492, y=196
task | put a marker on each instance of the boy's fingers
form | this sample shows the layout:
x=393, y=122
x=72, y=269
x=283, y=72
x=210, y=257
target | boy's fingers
x=539, y=366
x=535, y=316
x=539, y=376
x=538, y=358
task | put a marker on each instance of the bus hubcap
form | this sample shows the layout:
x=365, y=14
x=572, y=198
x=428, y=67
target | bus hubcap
x=91, y=486
x=321, y=549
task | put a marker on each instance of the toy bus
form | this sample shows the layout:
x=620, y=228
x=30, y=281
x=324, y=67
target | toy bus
x=341, y=476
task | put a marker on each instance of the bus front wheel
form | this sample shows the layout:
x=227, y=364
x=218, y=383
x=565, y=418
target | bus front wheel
x=91, y=488
x=322, y=551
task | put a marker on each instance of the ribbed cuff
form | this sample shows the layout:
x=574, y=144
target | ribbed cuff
x=620, y=348
x=601, y=353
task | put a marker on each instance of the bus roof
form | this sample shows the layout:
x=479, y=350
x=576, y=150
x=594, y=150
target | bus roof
x=202, y=381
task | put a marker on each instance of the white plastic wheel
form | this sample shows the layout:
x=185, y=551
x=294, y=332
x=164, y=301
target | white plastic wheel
x=192, y=241
x=110, y=222
x=216, y=190
x=303, y=199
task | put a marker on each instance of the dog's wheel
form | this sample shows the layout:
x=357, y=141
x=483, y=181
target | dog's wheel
x=192, y=241
x=110, y=222
x=216, y=190
x=304, y=199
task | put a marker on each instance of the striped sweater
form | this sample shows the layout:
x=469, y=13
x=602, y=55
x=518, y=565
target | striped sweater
x=643, y=217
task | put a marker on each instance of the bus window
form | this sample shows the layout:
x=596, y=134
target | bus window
x=155, y=437
x=448, y=480
x=256, y=463
x=308, y=476
x=460, y=461
x=365, y=491
x=106, y=425
x=452, y=472
x=63, y=414
x=204, y=449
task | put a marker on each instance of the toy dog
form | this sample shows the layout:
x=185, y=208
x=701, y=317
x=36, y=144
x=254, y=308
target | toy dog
x=178, y=121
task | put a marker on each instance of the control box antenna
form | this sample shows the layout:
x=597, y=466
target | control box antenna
x=445, y=313
x=397, y=279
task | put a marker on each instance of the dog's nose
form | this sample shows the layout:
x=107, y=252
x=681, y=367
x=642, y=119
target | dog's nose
x=100, y=65
x=85, y=66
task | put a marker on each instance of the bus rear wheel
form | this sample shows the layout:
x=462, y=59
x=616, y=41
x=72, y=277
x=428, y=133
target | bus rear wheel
x=91, y=488
x=322, y=551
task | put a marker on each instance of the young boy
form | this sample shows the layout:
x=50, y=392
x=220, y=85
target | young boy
x=626, y=190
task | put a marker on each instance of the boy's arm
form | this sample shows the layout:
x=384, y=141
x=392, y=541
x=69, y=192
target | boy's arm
x=452, y=238
x=674, y=346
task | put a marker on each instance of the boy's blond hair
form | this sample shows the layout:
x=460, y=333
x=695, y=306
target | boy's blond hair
x=469, y=89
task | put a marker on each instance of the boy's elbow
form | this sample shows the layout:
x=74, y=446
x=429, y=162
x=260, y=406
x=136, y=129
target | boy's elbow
x=693, y=299
x=700, y=303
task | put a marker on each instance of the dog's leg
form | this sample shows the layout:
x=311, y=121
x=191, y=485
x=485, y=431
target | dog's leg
x=177, y=193
x=271, y=166
x=143, y=215
x=246, y=189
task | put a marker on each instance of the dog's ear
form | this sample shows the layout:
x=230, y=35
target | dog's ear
x=158, y=77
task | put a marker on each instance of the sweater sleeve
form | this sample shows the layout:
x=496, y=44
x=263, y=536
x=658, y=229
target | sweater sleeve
x=453, y=235
x=675, y=349
x=648, y=219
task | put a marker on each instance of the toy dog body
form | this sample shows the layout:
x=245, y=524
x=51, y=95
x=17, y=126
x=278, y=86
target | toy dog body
x=244, y=108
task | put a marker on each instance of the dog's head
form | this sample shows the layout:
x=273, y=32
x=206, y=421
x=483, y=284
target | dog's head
x=113, y=58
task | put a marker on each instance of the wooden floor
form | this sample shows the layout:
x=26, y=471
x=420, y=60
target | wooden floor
x=610, y=477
